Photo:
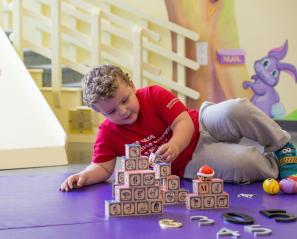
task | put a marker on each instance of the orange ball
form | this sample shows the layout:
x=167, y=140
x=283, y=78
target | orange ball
x=271, y=186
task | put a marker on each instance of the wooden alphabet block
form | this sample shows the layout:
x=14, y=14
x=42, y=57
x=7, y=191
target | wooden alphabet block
x=217, y=186
x=194, y=201
x=148, y=177
x=155, y=158
x=128, y=164
x=182, y=195
x=139, y=193
x=169, y=197
x=132, y=150
x=222, y=200
x=171, y=182
x=162, y=170
x=113, y=208
x=153, y=192
x=201, y=187
x=128, y=208
x=157, y=182
x=142, y=163
x=142, y=207
x=209, y=201
x=119, y=177
x=156, y=207
x=133, y=178
x=123, y=193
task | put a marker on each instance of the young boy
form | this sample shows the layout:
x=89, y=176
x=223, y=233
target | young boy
x=154, y=118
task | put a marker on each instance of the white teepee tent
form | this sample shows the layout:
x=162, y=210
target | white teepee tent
x=30, y=134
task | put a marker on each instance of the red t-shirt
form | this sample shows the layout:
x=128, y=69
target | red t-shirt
x=158, y=109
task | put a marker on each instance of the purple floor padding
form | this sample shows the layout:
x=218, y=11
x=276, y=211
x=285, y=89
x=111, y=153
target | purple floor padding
x=32, y=207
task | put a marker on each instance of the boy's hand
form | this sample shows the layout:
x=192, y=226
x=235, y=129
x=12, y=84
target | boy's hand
x=73, y=181
x=168, y=151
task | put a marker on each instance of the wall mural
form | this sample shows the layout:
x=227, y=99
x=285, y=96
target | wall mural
x=226, y=75
x=215, y=23
x=267, y=75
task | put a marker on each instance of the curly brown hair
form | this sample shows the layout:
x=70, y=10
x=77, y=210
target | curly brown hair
x=102, y=82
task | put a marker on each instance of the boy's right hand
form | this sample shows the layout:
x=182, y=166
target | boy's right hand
x=74, y=181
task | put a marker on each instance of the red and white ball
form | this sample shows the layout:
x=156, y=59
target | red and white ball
x=289, y=185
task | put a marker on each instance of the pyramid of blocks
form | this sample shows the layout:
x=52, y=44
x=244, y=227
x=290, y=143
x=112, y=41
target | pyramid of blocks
x=136, y=190
x=208, y=193
x=171, y=193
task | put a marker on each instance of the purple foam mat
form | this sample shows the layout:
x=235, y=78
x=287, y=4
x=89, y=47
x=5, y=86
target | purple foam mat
x=32, y=207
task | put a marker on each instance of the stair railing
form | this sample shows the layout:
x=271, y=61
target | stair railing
x=5, y=14
x=95, y=43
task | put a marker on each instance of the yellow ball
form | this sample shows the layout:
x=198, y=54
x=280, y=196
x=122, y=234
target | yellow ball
x=271, y=186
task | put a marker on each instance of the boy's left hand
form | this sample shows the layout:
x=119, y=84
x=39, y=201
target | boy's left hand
x=168, y=152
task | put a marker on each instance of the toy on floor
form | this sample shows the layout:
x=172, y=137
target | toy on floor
x=208, y=192
x=136, y=190
x=289, y=185
x=169, y=223
x=238, y=218
x=203, y=220
x=279, y=215
x=257, y=230
x=246, y=195
x=271, y=186
x=224, y=232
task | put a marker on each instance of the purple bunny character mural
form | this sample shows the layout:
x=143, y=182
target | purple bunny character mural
x=267, y=75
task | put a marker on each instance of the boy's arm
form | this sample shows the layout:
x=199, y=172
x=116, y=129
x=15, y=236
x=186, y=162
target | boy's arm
x=94, y=173
x=182, y=128
x=99, y=172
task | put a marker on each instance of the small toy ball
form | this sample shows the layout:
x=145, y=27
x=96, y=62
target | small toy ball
x=289, y=185
x=205, y=172
x=271, y=186
x=293, y=178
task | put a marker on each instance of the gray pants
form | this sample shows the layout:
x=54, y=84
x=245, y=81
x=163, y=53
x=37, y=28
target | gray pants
x=222, y=128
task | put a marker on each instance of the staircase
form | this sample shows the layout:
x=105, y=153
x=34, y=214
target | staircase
x=60, y=40
x=37, y=62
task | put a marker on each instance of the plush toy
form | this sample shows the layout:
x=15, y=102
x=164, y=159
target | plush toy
x=205, y=173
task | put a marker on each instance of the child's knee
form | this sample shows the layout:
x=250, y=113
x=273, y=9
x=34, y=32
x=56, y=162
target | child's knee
x=237, y=108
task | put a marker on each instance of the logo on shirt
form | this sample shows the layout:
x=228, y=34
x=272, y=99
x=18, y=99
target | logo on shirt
x=151, y=143
x=172, y=103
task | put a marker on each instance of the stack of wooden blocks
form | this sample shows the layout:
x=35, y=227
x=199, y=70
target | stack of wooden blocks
x=207, y=194
x=171, y=193
x=136, y=190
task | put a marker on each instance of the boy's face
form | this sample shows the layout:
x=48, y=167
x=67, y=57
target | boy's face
x=123, y=108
